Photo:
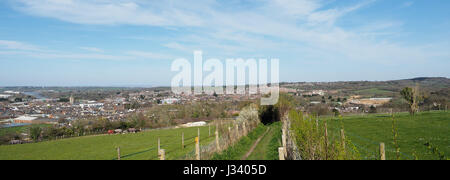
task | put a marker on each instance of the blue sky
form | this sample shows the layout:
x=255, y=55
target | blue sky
x=133, y=42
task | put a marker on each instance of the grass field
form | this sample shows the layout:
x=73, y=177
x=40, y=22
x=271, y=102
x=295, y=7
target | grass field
x=20, y=129
x=366, y=132
x=374, y=92
x=132, y=146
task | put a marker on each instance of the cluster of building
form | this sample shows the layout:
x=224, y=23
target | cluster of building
x=115, y=107
x=53, y=110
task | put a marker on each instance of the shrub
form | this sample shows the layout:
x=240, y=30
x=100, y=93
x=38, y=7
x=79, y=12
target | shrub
x=312, y=142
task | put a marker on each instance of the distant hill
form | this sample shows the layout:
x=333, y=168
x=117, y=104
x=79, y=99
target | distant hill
x=427, y=78
x=435, y=83
x=432, y=84
x=428, y=83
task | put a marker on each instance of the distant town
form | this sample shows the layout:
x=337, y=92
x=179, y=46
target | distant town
x=50, y=106
x=44, y=106
x=36, y=114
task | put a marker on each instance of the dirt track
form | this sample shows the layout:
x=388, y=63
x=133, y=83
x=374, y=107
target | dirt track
x=254, y=145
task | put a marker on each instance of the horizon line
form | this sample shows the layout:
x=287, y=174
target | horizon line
x=168, y=86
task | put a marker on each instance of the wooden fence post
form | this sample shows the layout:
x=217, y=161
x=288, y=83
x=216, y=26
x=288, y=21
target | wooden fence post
x=217, y=141
x=182, y=140
x=245, y=129
x=343, y=138
x=317, y=124
x=382, y=152
x=281, y=153
x=162, y=154
x=197, y=148
x=326, y=141
x=159, y=146
x=229, y=134
x=237, y=132
x=118, y=153
x=283, y=137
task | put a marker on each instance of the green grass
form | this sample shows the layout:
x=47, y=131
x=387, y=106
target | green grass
x=267, y=149
x=374, y=92
x=20, y=129
x=238, y=150
x=366, y=132
x=132, y=146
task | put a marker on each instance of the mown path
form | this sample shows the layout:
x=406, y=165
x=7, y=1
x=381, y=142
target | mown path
x=254, y=145
x=267, y=147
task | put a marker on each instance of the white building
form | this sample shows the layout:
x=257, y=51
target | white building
x=24, y=119
x=91, y=105
x=194, y=124
x=5, y=96
x=170, y=101
x=11, y=92
x=72, y=100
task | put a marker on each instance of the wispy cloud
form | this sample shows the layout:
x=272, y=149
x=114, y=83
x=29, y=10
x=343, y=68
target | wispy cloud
x=15, y=45
x=93, y=49
x=177, y=46
x=305, y=26
x=149, y=55
x=109, y=12
x=30, y=50
x=329, y=16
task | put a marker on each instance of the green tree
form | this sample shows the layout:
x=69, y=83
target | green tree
x=373, y=109
x=35, y=133
x=411, y=95
x=336, y=112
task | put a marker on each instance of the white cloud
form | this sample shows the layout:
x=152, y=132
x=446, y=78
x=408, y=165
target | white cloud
x=177, y=46
x=108, y=12
x=329, y=16
x=15, y=45
x=297, y=8
x=65, y=55
x=304, y=26
x=149, y=55
x=92, y=49
x=9, y=48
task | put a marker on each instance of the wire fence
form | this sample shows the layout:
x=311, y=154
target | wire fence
x=228, y=133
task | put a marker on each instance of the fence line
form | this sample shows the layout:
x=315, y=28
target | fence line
x=289, y=146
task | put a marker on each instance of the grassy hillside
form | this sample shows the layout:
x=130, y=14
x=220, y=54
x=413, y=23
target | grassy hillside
x=374, y=92
x=367, y=131
x=133, y=146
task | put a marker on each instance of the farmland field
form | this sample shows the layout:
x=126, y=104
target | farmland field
x=132, y=146
x=367, y=131
x=20, y=129
x=374, y=92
